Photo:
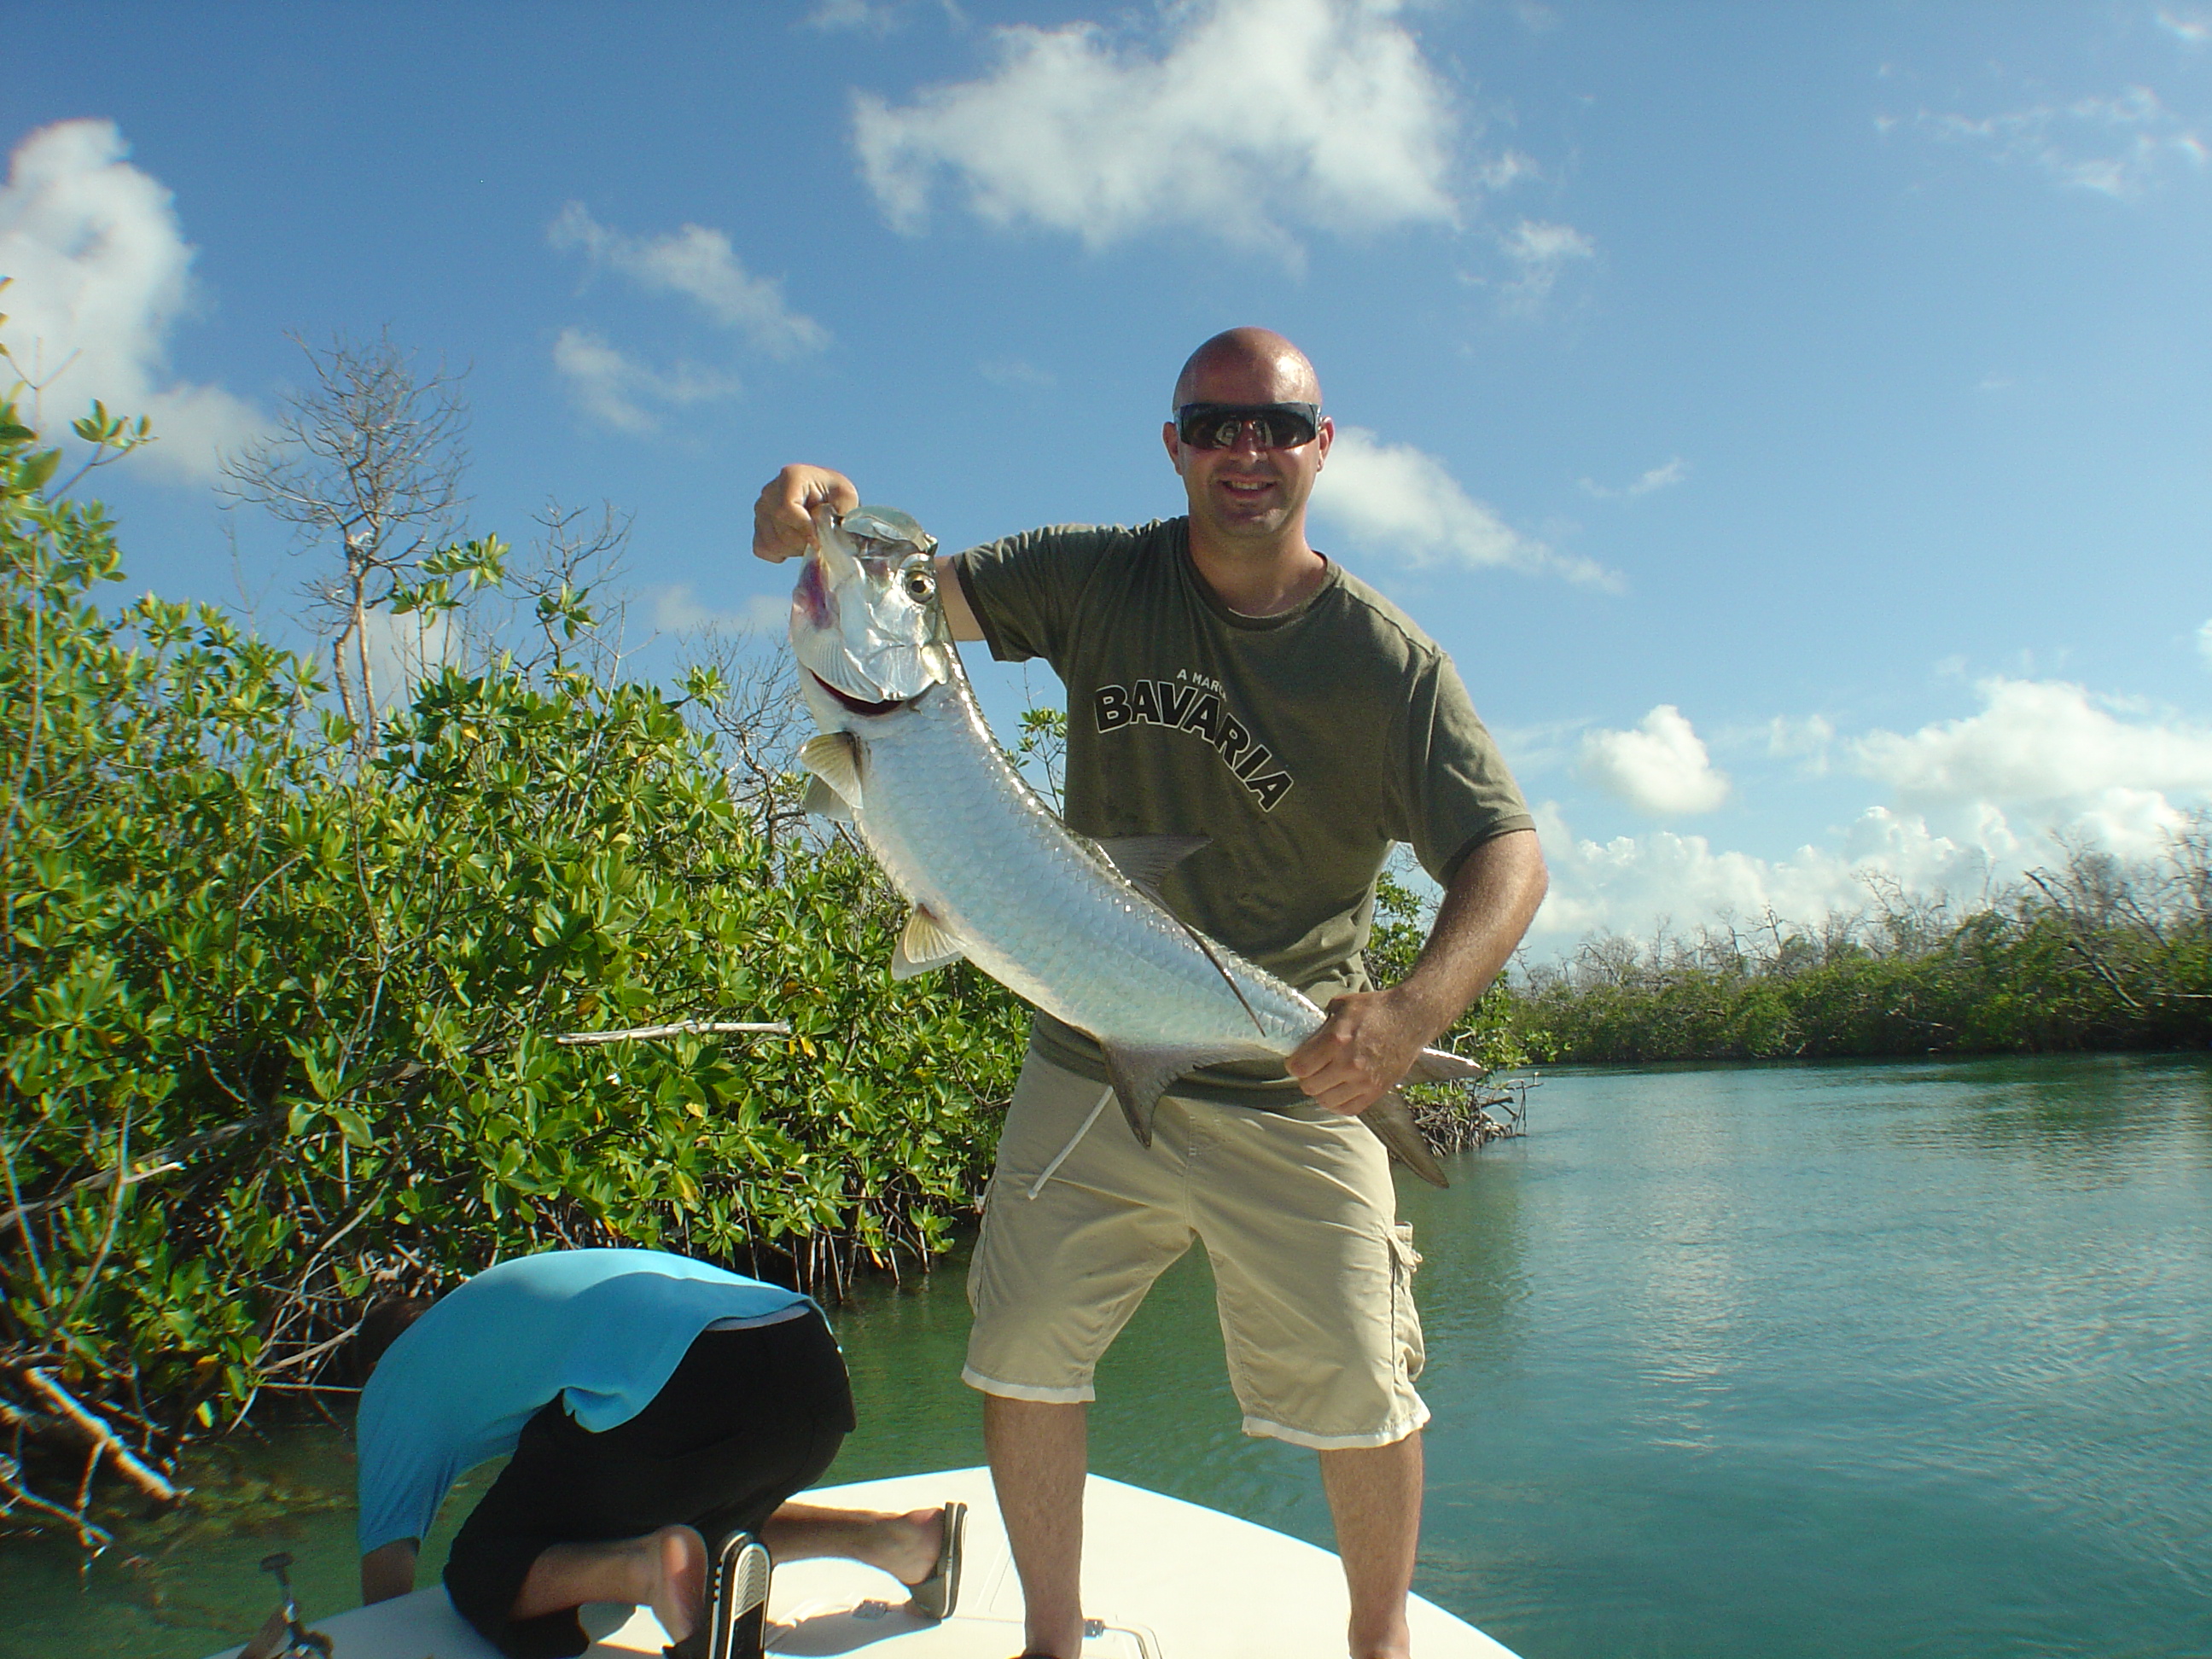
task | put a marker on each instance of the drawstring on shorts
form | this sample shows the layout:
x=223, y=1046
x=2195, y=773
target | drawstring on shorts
x=1073, y=1141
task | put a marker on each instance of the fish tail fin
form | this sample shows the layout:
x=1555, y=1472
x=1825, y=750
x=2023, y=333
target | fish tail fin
x=1392, y=1122
x=1140, y=1076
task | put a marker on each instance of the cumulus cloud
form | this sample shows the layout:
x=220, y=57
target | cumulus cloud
x=102, y=274
x=1634, y=884
x=2121, y=146
x=625, y=394
x=1974, y=802
x=676, y=609
x=700, y=264
x=1658, y=478
x=1255, y=117
x=1540, y=252
x=1660, y=767
x=2037, y=744
x=1404, y=503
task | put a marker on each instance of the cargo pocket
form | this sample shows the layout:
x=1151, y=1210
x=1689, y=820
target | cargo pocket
x=1411, y=1353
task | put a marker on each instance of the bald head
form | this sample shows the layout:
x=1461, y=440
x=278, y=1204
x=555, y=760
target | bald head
x=1245, y=356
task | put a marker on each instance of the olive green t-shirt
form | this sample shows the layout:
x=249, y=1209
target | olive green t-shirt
x=1302, y=744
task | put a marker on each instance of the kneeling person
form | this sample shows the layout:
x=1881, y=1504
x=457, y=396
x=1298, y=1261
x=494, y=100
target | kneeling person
x=653, y=1405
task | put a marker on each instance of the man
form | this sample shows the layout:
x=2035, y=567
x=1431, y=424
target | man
x=1225, y=679
x=653, y=1405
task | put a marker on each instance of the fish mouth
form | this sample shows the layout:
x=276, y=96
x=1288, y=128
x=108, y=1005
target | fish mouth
x=858, y=706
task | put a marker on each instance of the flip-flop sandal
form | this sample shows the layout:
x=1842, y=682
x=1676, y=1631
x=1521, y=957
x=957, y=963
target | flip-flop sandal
x=935, y=1596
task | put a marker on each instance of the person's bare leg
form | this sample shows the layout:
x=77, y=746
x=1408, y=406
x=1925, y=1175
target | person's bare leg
x=1037, y=1452
x=1375, y=1497
x=904, y=1545
x=666, y=1570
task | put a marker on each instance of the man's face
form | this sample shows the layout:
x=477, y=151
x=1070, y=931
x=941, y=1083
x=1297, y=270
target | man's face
x=1245, y=492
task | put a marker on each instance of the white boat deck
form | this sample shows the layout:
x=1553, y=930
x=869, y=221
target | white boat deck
x=1164, y=1579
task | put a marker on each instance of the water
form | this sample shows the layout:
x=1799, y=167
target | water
x=1740, y=1363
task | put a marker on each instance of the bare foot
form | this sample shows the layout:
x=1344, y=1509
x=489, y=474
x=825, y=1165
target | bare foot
x=676, y=1578
x=909, y=1545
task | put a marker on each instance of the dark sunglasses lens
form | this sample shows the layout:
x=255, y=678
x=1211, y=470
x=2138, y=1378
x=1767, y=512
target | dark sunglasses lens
x=1276, y=428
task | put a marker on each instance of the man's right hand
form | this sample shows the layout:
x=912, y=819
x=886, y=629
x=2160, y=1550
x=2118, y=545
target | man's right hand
x=783, y=517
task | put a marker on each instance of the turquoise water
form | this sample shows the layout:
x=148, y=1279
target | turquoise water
x=1865, y=1359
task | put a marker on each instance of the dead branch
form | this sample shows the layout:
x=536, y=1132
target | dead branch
x=105, y=1439
x=681, y=1028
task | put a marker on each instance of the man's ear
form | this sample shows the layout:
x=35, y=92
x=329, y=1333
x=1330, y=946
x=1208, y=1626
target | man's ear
x=1174, y=446
x=1327, y=436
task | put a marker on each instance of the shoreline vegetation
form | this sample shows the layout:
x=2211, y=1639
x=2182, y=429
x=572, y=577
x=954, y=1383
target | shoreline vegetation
x=288, y=959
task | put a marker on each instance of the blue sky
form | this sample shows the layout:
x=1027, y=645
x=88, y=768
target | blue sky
x=1794, y=419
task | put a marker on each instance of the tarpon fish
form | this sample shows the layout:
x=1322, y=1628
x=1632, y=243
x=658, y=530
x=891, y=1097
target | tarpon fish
x=1075, y=925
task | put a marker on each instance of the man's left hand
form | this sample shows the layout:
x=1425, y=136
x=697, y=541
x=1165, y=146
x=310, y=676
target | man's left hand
x=1370, y=1044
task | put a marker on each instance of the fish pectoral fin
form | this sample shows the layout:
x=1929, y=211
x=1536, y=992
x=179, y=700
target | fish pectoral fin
x=835, y=758
x=1140, y=1076
x=824, y=802
x=1392, y=1121
x=1144, y=860
x=925, y=944
x=1442, y=1065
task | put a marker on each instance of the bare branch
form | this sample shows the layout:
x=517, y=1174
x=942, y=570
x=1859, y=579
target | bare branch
x=681, y=1028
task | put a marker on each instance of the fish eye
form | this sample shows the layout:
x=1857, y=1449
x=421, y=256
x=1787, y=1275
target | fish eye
x=920, y=583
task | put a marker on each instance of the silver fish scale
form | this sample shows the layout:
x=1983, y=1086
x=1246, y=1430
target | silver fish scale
x=957, y=830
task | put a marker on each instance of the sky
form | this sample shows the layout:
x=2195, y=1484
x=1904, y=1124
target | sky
x=1795, y=421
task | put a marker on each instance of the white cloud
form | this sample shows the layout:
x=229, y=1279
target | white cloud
x=1256, y=116
x=2192, y=28
x=699, y=263
x=1013, y=373
x=2205, y=640
x=862, y=16
x=1661, y=767
x=1539, y=251
x=1658, y=478
x=1801, y=739
x=403, y=652
x=1634, y=884
x=676, y=611
x=102, y=273
x=1400, y=501
x=1978, y=802
x=2120, y=146
x=617, y=390
x=2038, y=744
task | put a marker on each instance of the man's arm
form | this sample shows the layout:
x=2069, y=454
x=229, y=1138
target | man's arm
x=783, y=528
x=388, y=1570
x=1372, y=1037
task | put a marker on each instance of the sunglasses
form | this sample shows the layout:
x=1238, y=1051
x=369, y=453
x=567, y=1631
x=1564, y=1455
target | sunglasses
x=1219, y=426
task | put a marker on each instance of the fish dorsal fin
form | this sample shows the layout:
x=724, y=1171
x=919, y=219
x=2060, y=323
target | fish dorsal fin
x=1391, y=1118
x=825, y=803
x=835, y=758
x=1141, y=1075
x=924, y=944
x=1144, y=860
x=1442, y=1065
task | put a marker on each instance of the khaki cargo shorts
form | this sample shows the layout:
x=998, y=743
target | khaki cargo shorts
x=1313, y=1275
